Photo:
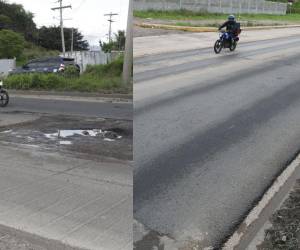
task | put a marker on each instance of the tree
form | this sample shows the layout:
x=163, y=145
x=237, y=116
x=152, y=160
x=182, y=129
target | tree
x=50, y=38
x=5, y=22
x=22, y=20
x=11, y=44
x=118, y=42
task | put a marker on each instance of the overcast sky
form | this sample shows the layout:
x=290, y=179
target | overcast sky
x=87, y=15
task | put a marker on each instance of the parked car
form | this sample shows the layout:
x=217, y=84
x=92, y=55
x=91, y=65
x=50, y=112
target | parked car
x=46, y=65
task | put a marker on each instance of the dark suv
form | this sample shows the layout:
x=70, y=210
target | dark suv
x=46, y=65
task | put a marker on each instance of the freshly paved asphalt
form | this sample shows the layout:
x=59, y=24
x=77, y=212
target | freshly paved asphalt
x=211, y=134
x=72, y=107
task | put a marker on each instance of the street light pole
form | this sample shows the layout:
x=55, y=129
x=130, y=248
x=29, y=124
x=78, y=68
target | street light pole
x=128, y=56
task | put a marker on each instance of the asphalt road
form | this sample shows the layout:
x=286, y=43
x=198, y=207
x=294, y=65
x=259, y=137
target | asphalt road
x=72, y=107
x=211, y=134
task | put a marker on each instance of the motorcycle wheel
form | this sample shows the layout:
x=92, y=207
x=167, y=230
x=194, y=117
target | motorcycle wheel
x=233, y=46
x=4, y=98
x=218, y=46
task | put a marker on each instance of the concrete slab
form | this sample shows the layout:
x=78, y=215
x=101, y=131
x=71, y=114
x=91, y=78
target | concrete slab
x=82, y=203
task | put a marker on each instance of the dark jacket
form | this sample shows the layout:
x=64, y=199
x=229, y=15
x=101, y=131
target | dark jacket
x=230, y=26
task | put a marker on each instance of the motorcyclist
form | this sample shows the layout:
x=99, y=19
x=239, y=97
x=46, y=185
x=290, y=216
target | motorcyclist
x=231, y=27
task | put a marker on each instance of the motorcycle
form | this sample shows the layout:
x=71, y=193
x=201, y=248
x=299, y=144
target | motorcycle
x=4, y=97
x=225, y=41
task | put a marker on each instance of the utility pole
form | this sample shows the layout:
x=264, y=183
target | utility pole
x=60, y=8
x=110, y=20
x=72, y=41
x=128, y=57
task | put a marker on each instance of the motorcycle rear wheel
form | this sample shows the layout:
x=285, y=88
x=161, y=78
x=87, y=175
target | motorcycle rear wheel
x=218, y=46
x=4, y=98
x=233, y=46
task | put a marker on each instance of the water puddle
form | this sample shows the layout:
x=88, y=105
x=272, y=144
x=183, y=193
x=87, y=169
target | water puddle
x=62, y=137
x=63, y=134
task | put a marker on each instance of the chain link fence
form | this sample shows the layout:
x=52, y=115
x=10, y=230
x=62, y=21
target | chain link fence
x=214, y=6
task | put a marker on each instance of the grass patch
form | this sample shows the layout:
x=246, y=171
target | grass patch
x=190, y=15
x=32, y=51
x=99, y=78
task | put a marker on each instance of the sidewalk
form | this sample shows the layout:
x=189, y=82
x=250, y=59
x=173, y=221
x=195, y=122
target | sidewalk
x=191, y=41
x=82, y=203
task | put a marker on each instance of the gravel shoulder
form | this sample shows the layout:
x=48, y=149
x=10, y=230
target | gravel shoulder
x=284, y=224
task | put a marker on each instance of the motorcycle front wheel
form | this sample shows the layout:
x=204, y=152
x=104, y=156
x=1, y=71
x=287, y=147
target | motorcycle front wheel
x=218, y=46
x=4, y=98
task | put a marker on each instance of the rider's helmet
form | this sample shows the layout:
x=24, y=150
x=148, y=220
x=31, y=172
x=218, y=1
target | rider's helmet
x=231, y=18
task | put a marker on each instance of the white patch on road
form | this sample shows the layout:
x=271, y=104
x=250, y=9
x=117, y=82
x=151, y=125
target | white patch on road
x=65, y=143
x=107, y=139
x=6, y=132
x=81, y=132
x=70, y=133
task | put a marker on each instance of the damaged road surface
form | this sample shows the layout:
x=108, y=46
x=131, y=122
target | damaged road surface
x=94, y=137
x=66, y=179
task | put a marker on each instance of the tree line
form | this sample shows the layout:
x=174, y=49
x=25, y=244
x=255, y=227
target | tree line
x=18, y=27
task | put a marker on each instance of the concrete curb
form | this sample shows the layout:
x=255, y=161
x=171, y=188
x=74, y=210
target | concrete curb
x=207, y=29
x=69, y=94
x=237, y=238
x=74, y=97
x=175, y=27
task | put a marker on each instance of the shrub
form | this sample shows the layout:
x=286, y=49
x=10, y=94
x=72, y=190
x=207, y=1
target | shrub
x=11, y=44
x=97, y=78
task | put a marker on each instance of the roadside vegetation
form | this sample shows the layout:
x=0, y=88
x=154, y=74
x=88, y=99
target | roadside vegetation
x=185, y=15
x=99, y=78
x=32, y=51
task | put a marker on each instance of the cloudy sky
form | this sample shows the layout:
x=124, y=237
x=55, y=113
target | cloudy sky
x=86, y=15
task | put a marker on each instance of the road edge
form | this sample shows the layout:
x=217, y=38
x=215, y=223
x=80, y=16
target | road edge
x=236, y=239
x=206, y=29
x=54, y=95
x=72, y=98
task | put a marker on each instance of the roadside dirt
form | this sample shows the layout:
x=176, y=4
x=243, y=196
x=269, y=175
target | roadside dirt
x=284, y=234
x=84, y=137
x=142, y=32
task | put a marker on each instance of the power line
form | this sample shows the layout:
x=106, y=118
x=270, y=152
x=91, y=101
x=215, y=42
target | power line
x=79, y=6
x=60, y=8
x=110, y=20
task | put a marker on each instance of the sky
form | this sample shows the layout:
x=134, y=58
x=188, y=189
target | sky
x=86, y=15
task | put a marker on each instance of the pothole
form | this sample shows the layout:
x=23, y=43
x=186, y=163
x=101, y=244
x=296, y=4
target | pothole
x=63, y=136
x=106, y=135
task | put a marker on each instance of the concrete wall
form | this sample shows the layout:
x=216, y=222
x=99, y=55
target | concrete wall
x=84, y=58
x=6, y=65
x=214, y=6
